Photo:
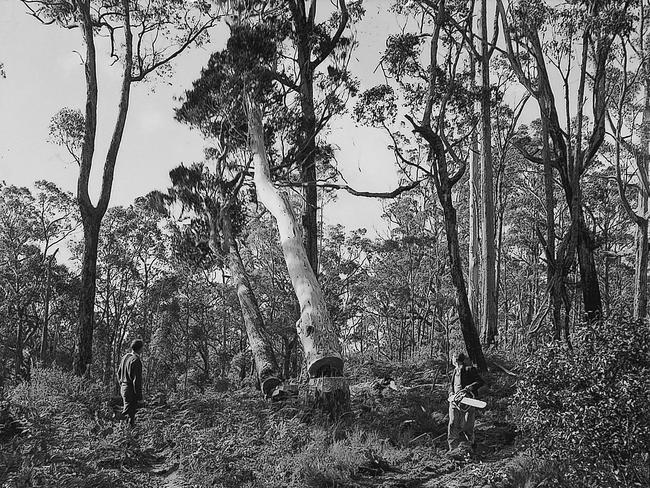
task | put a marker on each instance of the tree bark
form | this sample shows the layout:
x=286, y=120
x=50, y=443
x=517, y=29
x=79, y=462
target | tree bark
x=488, y=254
x=87, y=293
x=18, y=356
x=591, y=297
x=549, y=197
x=315, y=329
x=307, y=158
x=641, y=269
x=475, y=212
x=289, y=345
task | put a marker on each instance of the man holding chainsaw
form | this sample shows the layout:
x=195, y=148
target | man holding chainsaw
x=465, y=383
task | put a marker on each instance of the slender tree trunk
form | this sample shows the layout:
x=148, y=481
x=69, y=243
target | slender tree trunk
x=18, y=356
x=308, y=177
x=46, y=309
x=488, y=255
x=319, y=338
x=444, y=190
x=266, y=365
x=306, y=153
x=475, y=212
x=499, y=262
x=470, y=335
x=549, y=197
x=444, y=184
x=641, y=269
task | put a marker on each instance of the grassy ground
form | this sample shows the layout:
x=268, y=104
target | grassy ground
x=68, y=438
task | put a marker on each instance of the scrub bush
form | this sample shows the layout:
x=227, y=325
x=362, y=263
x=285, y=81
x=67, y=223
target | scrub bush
x=587, y=410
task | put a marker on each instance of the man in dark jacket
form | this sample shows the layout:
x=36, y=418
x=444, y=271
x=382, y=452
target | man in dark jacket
x=465, y=378
x=129, y=375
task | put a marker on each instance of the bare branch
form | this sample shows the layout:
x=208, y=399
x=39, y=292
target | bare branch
x=359, y=193
x=337, y=35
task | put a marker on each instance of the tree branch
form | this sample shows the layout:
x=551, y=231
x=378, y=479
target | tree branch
x=118, y=131
x=358, y=193
x=337, y=35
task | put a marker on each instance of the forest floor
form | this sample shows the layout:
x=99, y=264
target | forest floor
x=234, y=438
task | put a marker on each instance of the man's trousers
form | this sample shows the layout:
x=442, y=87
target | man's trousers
x=130, y=403
x=461, y=427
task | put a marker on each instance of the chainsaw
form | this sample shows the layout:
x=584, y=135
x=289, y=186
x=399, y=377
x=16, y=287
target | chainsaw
x=463, y=402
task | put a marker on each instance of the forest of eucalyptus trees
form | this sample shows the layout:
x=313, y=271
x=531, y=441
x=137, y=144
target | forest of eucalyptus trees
x=520, y=132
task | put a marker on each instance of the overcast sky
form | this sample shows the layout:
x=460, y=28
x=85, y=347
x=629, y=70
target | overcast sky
x=45, y=73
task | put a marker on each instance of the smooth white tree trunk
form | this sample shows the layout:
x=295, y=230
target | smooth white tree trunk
x=318, y=337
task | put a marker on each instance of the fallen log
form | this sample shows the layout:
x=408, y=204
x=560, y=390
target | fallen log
x=507, y=371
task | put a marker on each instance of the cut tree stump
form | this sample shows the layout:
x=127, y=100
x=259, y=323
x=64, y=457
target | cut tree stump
x=330, y=393
x=269, y=385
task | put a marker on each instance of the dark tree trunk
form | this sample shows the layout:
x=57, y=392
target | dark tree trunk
x=553, y=288
x=475, y=211
x=641, y=270
x=290, y=345
x=86, y=319
x=303, y=22
x=588, y=274
x=18, y=357
x=307, y=158
x=444, y=183
x=470, y=335
x=306, y=154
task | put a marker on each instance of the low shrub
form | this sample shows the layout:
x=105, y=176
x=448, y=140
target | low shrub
x=587, y=411
x=50, y=389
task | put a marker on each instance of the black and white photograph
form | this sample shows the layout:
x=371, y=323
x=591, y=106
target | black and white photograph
x=324, y=243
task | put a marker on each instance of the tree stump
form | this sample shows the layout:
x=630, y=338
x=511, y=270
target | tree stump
x=331, y=394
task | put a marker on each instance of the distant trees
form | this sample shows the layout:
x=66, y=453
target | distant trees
x=32, y=284
x=576, y=32
x=629, y=121
x=432, y=94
